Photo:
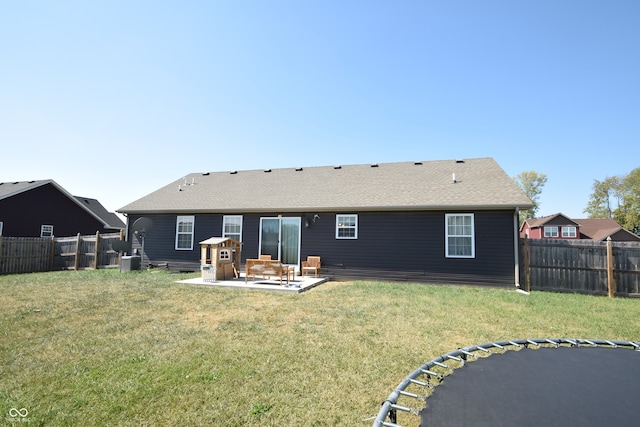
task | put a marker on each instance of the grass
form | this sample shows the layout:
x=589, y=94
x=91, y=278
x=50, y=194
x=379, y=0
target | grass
x=108, y=348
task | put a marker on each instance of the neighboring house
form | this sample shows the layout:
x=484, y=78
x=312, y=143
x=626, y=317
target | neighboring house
x=559, y=226
x=450, y=221
x=602, y=228
x=44, y=209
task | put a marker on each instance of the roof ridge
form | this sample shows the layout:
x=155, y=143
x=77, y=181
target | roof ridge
x=336, y=166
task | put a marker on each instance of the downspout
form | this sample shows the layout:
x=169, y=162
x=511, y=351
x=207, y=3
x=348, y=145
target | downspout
x=126, y=231
x=516, y=245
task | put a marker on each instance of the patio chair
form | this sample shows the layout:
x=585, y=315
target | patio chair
x=311, y=264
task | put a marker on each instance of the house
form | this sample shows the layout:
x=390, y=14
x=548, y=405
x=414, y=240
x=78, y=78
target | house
x=44, y=209
x=559, y=226
x=603, y=228
x=453, y=221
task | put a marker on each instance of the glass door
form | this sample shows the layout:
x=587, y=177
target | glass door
x=270, y=237
x=280, y=238
x=290, y=241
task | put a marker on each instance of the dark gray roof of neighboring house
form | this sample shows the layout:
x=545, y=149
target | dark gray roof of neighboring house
x=92, y=206
x=110, y=219
x=8, y=189
x=601, y=228
x=480, y=184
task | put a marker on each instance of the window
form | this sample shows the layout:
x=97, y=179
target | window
x=346, y=226
x=551, y=232
x=459, y=236
x=184, y=232
x=0, y=228
x=568, y=232
x=46, y=231
x=232, y=227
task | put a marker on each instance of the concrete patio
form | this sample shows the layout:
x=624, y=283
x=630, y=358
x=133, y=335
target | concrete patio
x=298, y=285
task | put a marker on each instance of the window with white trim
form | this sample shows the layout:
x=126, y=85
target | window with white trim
x=551, y=232
x=569, y=232
x=346, y=226
x=232, y=227
x=459, y=232
x=46, y=231
x=184, y=232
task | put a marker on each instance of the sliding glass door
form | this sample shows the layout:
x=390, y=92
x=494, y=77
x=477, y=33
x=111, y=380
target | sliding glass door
x=280, y=238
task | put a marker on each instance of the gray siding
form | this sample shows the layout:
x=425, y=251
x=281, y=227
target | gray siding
x=411, y=246
x=390, y=245
x=159, y=245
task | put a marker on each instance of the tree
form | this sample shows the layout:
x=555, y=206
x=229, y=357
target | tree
x=628, y=213
x=617, y=197
x=605, y=198
x=531, y=183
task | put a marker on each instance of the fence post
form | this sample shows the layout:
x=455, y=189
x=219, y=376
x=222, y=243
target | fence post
x=527, y=265
x=52, y=257
x=610, y=279
x=78, y=247
x=96, y=252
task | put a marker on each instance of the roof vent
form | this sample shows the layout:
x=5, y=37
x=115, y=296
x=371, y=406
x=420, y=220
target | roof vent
x=298, y=169
x=459, y=161
x=417, y=163
x=205, y=174
x=375, y=165
x=337, y=167
x=267, y=170
x=233, y=172
x=453, y=178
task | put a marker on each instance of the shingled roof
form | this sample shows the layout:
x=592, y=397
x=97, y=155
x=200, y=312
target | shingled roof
x=110, y=219
x=540, y=222
x=601, y=228
x=429, y=185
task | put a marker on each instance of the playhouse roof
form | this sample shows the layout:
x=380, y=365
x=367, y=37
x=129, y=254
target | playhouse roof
x=218, y=240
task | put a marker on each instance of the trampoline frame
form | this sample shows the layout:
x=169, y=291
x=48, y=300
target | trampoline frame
x=436, y=370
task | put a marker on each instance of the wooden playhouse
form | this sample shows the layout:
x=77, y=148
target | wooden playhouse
x=220, y=258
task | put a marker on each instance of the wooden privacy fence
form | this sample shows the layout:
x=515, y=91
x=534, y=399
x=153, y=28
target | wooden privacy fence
x=585, y=266
x=25, y=254
x=35, y=254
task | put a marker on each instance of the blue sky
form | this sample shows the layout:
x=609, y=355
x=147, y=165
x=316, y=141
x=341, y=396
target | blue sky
x=115, y=99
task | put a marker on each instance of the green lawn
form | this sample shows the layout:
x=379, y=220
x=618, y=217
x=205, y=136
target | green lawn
x=110, y=348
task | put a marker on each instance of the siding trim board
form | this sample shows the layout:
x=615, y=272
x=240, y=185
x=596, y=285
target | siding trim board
x=318, y=209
